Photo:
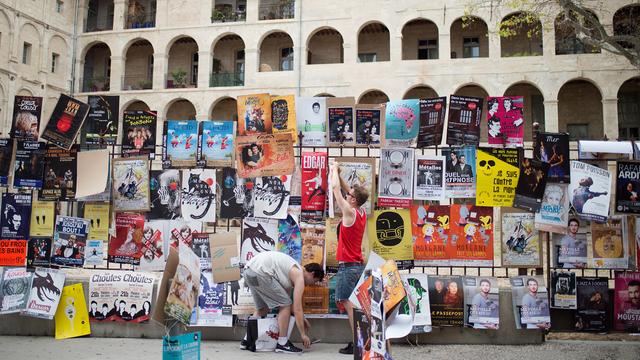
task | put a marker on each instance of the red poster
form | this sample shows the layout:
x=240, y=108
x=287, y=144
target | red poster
x=126, y=246
x=314, y=181
x=430, y=230
x=471, y=235
x=505, y=120
x=13, y=252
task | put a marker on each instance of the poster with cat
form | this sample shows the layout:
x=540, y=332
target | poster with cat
x=198, y=198
x=237, y=195
x=271, y=196
x=165, y=191
x=258, y=235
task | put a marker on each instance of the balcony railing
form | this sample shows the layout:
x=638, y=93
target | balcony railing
x=103, y=23
x=136, y=82
x=141, y=21
x=95, y=83
x=228, y=16
x=226, y=79
x=279, y=11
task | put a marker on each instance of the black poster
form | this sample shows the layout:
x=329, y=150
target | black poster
x=16, y=216
x=446, y=297
x=139, y=133
x=628, y=187
x=39, y=252
x=368, y=126
x=65, y=122
x=553, y=148
x=101, y=127
x=6, y=152
x=27, y=111
x=60, y=172
x=165, y=192
x=340, y=124
x=361, y=334
x=531, y=184
x=237, y=195
x=29, y=164
x=465, y=113
x=432, y=114
x=593, y=303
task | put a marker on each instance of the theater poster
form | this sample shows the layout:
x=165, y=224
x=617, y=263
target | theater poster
x=369, y=118
x=313, y=243
x=180, y=143
x=14, y=292
x=165, y=192
x=122, y=296
x=155, y=246
x=628, y=187
x=505, y=120
x=554, y=209
x=471, y=235
x=314, y=181
x=389, y=234
x=482, y=302
x=531, y=184
x=101, y=126
x=198, y=199
x=463, y=127
x=126, y=246
x=29, y=164
x=590, y=191
x=563, y=290
x=69, y=241
x=283, y=115
x=402, y=123
x=417, y=286
x=311, y=113
x=65, y=122
x=593, y=303
x=27, y=111
x=38, y=252
x=460, y=172
x=610, y=244
x=254, y=114
x=530, y=302
x=432, y=116
x=428, y=182
x=131, y=184
x=15, y=217
x=290, y=238
x=60, y=174
x=520, y=245
x=215, y=143
x=359, y=171
x=258, y=235
x=340, y=120
x=446, y=297
x=395, y=185
x=44, y=297
x=271, y=196
x=237, y=195
x=139, y=133
x=72, y=318
x=626, y=309
x=553, y=148
x=264, y=155
x=430, y=229
x=6, y=153
x=570, y=250
x=497, y=179
x=331, y=244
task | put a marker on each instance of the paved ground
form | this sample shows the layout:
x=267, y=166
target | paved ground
x=15, y=347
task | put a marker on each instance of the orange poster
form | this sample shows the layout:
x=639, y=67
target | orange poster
x=472, y=235
x=430, y=231
x=13, y=252
x=254, y=114
x=264, y=155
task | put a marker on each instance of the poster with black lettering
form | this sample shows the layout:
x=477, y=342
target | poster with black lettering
x=628, y=187
x=39, y=251
x=369, y=118
x=200, y=247
x=65, y=122
x=428, y=182
x=554, y=209
x=29, y=164
x=430, y=227
x=314, y=181
x=553, y=148
x=446, y=297
x=432, y=115
x=610, y=244
x=590, y=191
x=14, y=293
x=126, y=246
x=531, y=184
x=593, y=303
x=626, y=306
x=497, y=176
x=69, y=241
x=471, y=233
x=271, y=196
x=236, y=200
x=155, y=245
x=402, y=122
x=340, y=120
x=530, y=302
x=16, y=216
x=101, y=127
x=505, y=119
x=122, y=296
x=198, y=198
x=27, y=111
x=60, y=172
x=180, y=144
x=563, y=290
x=311, y=113
x=463, y=127
x=46, y=288
x=139, y=133
x=215, y=143
x=395, y=187
x=258, y=235
x=390, y=236
x=460, y=172
x=6, y=153
x=165, y=193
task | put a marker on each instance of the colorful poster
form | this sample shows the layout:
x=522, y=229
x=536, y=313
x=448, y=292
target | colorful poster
x=131, y=184
x=271, y=196
x=395, y=185
x=290, y=238
x=471, y=235
x=530, y=302
x=360, y=171
x=610, y=244
x=553, y=149
x=215, y=143
x=29, y=164
x=593, y=303
x=311, y=115
x=428, y=183
x=181, y=347
x=180, y=144
x=155, y=246
x=590, y=189
x=26, y=117
x=460, y=172
x=94, y=253
x=198, y=198
x=402, y=122
x=258, y=235
x=60, y=174
x=72, y=318
x=417, y=287
x=39, y=251
x=496, y=180
x=42, y=217
x=314, y=181
x=570, y=249
x=69, y=241
x=463, y=127
x=531, y=185
x=139, y=133
x=46, y=288
x=264, y=155
x=122, y=296
x=283, y=115
x=520, y=241
x=361, y=334
x=340, y=120
x=505, y=120
x=313, y=243
x=13, y=252
x=563, y=290
x=628, y=187
x=183, y=293
x=211, y=308
x=432, y=116
x=14, y=293
x=446, y=296
x=165, y=192
x=101, y=126
x=6, y=153
x=254, y=114
x=626, y=312
x=237, y=195
x=481, y=302
x=65, y=122
x=98, y=216
x=126, y=246
x=15, y=218
x=430, y=231
x=180, y=232
x=368, y=121
x=554, y=209
x=390, y=236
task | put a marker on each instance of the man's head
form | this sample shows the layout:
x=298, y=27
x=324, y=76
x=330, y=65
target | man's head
x=485, y=286
x=357, y=196
x=105, y=308
x=94, y=305
x=574, y=225
x=439, y=285
x=453, y=156
x=312, y=273
x=633, y=289
x=494, y=124
x=134, y=309
x=506, y=103
x=316, y=107
x=462, y=159
x=532, y=284
x=122, y=305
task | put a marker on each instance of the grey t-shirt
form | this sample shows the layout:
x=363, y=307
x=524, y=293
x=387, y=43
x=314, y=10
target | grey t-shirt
x=273, y=264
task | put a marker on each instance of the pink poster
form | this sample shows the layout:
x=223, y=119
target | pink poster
x=505, y=120
x=626, y=312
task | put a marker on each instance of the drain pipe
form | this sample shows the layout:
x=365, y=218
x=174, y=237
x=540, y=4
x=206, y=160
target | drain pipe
x=73, y=49
x=299, y=56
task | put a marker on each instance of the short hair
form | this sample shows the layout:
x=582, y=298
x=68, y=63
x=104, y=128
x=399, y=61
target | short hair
x=491, y=102
x=633, y=283
x=532, y=279
x=316, y=269
x=493, y=120
x=485, y=280
x=94, y=302
x=122, y=301
x=575, y=221
x=360, y=193
x=315, y=104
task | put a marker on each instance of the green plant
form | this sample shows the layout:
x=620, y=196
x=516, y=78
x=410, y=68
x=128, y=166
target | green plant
x=179, y=77
x=145, y=84
x=217, y=15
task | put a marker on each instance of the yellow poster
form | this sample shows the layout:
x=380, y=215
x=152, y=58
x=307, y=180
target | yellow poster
x=283, y=115
x=72, y=318
x=98, y=216
x=390, y=237
x=331, y=243
x=42, y=218
x=496, y=181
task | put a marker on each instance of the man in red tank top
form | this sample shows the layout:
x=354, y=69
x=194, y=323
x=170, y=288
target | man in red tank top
x=350, y=233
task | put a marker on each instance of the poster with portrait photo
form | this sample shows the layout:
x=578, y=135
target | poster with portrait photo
x=69, y=241
x=216, y=143
x=340, y=120
x=125, y=247
x=29, y=164
x=446, y=298
x=430, y=226
x=463, y=127
x=27, y=111
x=460, y=172
x=395, y=185
x=609, y=244
x=554, y=209
x=15, y=217
x=254, y=114
x=563, y=290
x=369, y=118
x=155, y=246
x=198, y=200
x=471, y=231
x=39, y=251
x=553, y=148
x=311, y=113
x=531, y=184
x=122, y=296
x=236, y=200
x=432, y=116
x=180, y=144
x=258, y=235
x=590, y=191
x=65, y=122
x=530, y=302
x=626, y=301
x=271, y=196
x=6, y=153
x=505, y=121
x=60, y=174
x=520, y=245
x=283, y=115
x=481, y=302
x=402, y=123
x=389, y=233
x=130, y=184
x=181, y=232
x=417, y=286
x=264, y=155
x=165, y=193
x=593, y=303
x=570, y=249
x=628, y=187
x=428, y=182
x=139, y=133
x=100, y=129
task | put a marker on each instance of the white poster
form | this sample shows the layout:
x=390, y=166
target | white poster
x=554, y=210
x=311, y=117
x=429, y=179
x=46, y=288
x=155, y=245
x=124, y=296
x=590, y=191
x=258, y=235
x=395, y=188
x=198, y=199
x=271, y=196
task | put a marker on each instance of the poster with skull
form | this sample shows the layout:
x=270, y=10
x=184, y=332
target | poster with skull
x=258, y=235
x=198, y=198
x=271, y=196
x=497, y=177
x=390, y=236
x=165, y=191
x=395, y=187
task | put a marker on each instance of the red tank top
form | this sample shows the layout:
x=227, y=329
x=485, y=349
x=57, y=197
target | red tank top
x=350, y=239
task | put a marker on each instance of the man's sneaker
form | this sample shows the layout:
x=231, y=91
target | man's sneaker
x=243, y=344
x=288, y=348
x=347, y=350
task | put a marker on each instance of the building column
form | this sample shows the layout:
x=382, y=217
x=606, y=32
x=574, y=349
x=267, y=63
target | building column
x=494, y=45
x=251, y=63
x=119, y=13
x=252, y=11
x=444, y=46
x=117, y=70
x=395, y=49
x=551, y=116
x=160, y=67
x=204, y=69
x=610, y=118
x=202, y=117
x=548, y=42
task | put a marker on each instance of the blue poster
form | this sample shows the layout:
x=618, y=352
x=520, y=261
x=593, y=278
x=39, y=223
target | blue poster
x=402, y=122
x=181, y=143
x=181, y=347
x=216, y=143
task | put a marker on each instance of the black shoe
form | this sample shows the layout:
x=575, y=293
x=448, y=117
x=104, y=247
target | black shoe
x=288, y=348
x=243, y=345
x=347, y=350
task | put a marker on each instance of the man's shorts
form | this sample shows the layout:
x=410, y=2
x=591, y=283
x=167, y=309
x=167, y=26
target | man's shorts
x=266, y=290
x=346, y=279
